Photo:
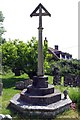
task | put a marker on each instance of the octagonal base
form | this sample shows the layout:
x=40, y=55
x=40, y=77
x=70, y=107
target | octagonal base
x=48, y=111
x=35, y=99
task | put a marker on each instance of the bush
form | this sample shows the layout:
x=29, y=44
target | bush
x=74, y=94
x=78, y=100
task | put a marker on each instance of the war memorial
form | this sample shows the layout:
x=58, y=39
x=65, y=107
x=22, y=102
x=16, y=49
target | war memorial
x=40, y=98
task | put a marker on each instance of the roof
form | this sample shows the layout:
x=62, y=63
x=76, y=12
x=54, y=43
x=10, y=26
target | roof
x=51, y=50
x=56, y=52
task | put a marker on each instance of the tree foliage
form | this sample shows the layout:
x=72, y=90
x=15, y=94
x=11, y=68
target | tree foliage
x=2, y=30
x=21, y=57
x=65, y=66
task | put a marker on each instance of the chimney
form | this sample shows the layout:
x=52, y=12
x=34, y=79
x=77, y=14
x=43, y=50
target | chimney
x=56, y=47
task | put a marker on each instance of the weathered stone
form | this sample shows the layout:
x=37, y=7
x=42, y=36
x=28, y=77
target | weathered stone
x=40, y=99
x=23, y=84
x=48, y=102
x=40, y=82
x=57, y=80
x=70, y=80
x=67, y=80
x=77, y=80
x=27, y=82
x=40, y=91
x=42, y=111
x=20, y=85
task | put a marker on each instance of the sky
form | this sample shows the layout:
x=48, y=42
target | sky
x=60, y=29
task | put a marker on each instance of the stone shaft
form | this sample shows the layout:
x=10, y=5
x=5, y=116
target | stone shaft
x=40, y=47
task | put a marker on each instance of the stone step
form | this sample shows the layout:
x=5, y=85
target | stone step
x=42, y=111
x=40, y=100
x=40, y=91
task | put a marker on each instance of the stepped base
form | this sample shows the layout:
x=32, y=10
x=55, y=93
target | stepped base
x=44, y=111
x=40, y=91
x=40, y=100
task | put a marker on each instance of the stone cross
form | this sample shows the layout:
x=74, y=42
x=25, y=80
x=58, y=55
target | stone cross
x=40, y=7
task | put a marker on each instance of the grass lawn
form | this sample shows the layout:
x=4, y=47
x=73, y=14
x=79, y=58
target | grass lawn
x=9, y=91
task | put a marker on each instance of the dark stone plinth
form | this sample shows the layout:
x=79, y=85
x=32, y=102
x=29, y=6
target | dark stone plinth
x=40, y=82
x=40, y=91
x=40, y=100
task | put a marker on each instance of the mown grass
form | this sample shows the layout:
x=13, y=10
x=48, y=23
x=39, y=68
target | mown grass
x=9, y=91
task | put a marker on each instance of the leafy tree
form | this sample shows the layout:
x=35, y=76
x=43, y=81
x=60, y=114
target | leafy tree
x=31, y=61
x=9, y=55
x=65, y=67
x=2, y=30
x=23, y=57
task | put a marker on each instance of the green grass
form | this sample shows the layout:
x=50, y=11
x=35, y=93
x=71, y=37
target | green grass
x=9, y=91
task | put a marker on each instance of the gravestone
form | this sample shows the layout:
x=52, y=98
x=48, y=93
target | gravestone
x=20, y=85
x=67, y=80
x=40, y=99
x=23, y=84
x=77, y=80
x=57, y=80
x=70, y=80
x=57, y=77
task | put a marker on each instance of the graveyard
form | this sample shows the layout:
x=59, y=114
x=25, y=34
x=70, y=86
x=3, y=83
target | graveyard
x=34, y=84
x=9, y=91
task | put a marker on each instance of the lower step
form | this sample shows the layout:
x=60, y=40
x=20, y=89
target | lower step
x=40, y=100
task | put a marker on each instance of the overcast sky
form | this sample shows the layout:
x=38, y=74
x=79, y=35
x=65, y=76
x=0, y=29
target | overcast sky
x=60, y=29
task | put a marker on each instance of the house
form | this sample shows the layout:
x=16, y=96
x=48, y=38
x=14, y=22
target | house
x=57, y=54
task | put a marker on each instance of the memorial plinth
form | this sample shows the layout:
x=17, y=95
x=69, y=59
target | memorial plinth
x=40, y=99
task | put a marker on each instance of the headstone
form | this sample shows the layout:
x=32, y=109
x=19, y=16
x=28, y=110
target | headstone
x=57, y=80
x=77, y=80
x=27, y=82
x=23, y=84
x=68, y=80
x=20, y=85
x=73, y=81
x=57, y=77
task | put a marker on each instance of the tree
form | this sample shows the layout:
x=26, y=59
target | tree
x=23, y=57
x=65, y=67
x=9, y=54
x=20, y=56
x=2, y=30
